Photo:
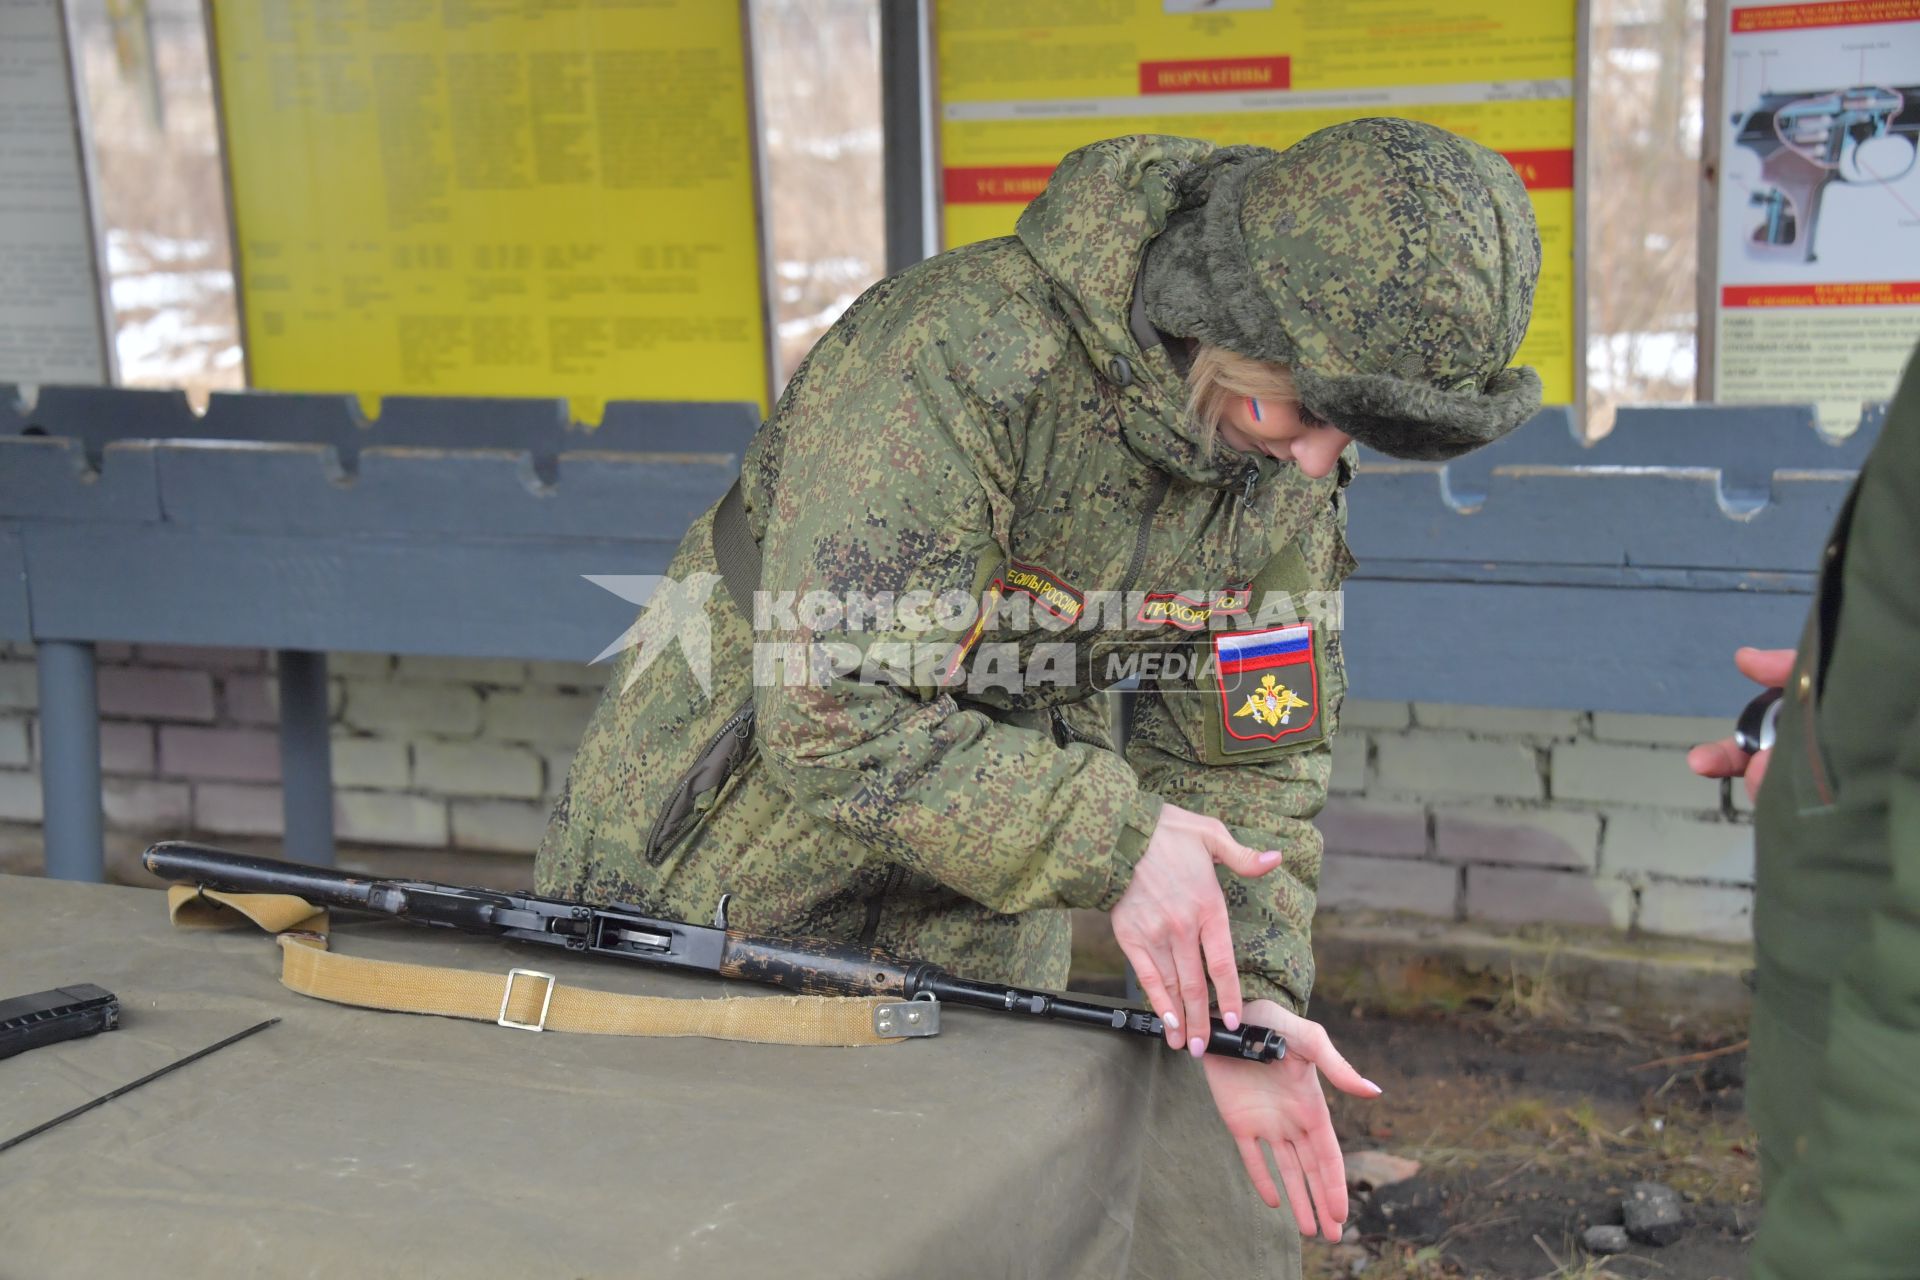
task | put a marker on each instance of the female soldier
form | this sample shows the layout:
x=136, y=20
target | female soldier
x=1122, y=429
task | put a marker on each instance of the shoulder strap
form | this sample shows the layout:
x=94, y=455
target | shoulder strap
x=737, y=554
x=525, y=999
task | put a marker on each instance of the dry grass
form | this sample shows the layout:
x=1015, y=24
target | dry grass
x=1532, y=996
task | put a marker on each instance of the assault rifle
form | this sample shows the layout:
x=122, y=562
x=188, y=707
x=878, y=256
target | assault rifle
x=620, y=932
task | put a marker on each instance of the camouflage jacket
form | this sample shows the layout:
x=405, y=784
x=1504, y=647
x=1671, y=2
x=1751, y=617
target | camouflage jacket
x=984, y=424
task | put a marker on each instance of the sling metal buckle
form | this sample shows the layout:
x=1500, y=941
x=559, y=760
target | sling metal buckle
x=507, y=995
x=919, y=1016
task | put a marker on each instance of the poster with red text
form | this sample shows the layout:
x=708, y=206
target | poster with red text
x=1023, y=82
x=1818, y=291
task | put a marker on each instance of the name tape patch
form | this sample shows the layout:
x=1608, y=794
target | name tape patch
x=1046, y=588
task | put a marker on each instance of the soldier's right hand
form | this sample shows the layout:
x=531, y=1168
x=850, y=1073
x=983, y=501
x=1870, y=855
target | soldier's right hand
x=1770, y=669
x=1173, y=915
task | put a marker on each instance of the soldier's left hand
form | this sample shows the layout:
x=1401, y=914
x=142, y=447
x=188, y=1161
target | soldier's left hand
x=1280, y=1104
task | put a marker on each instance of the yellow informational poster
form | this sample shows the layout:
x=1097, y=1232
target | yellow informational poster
x=488, y=197
x=1023, y=82
x=1819, y=208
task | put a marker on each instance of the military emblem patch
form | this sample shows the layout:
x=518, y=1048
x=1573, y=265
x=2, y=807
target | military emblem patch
x=1269, y=686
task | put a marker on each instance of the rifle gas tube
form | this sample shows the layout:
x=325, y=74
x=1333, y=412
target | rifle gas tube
x=619, y=931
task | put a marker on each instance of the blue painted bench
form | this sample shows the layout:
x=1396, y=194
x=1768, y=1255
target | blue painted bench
x=1616, y=576
x=1538, y=572
x=445, y=526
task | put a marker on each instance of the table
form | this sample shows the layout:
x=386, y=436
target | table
x=350, y=1142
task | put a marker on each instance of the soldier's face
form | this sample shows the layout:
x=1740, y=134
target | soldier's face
x=1282, y=430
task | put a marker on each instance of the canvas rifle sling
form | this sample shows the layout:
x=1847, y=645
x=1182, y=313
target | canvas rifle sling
x=521, y=998
x=735, y=551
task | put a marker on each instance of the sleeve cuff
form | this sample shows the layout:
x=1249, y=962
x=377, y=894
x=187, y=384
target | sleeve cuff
x=1255, y=985
x=1130, y=845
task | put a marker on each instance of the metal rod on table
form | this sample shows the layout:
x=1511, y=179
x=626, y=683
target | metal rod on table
x=306, y=758
x=85, y=1107
x=70, y=760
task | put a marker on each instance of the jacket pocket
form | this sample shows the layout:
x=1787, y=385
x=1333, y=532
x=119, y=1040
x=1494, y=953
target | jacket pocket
x=698, y=789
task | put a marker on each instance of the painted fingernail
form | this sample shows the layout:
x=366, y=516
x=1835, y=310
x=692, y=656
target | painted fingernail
x=1173, y=1023
x=1371, y=1085
x=1270, y=857
x=1232, y=1020
x=1197, y=1047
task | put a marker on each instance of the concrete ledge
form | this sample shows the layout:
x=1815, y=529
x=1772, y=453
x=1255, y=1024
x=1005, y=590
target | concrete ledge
x=1391, y=960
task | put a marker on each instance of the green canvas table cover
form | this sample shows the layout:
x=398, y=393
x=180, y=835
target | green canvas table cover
x=351, y=1142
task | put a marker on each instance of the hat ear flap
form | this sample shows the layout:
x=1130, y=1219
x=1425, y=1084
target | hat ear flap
x=1418, y=422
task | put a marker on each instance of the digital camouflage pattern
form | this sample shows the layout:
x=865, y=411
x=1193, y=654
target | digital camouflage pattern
x=1389, y=263
x=985, y=412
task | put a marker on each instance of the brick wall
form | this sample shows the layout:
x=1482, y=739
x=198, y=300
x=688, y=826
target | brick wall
x=436, y=753
x=1506, y=816
x=1524, y=816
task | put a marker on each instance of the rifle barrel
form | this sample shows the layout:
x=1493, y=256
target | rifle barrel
x=183, y=862
x=1256, y=1043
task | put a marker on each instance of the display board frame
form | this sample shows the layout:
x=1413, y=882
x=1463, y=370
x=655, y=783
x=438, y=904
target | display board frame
x=104, y=366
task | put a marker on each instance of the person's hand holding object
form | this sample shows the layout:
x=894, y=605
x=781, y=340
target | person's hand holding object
x=1724, y=759
x=1173, y=912
x=1281, y=1104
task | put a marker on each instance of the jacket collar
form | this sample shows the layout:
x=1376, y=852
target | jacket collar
x=1089, y=232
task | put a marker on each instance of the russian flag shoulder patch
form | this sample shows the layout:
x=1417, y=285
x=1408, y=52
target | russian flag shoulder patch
x=1269, y=682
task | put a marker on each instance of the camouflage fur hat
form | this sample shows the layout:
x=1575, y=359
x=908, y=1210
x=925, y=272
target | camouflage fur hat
x=1389, y=264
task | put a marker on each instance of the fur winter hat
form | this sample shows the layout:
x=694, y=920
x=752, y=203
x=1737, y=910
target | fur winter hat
x=1389, y=264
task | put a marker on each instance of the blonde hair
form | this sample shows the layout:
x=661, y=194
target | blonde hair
x=1219, y=377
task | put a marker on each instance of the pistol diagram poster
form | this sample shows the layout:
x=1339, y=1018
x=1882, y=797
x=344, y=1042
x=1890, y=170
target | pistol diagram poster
x=495, y=198
x=1819, y=204
x=1023, y=82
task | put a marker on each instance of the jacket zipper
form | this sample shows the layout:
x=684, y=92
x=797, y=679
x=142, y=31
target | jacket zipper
x=1063, y=730
x=740, y=722
x=871, y=928
x=1161, y=484
x=1249, y=480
